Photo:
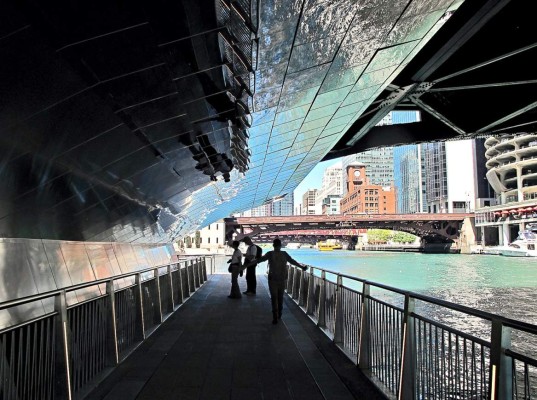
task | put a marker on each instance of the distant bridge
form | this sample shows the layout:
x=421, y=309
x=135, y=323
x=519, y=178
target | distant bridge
x=431, y=228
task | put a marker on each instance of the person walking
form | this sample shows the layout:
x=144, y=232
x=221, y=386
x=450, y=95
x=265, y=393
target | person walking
x=277, y=275
x=236, y=267
x=252, y=253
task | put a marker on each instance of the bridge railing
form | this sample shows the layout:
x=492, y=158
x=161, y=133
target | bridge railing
x=395, y=337
x=60, y=354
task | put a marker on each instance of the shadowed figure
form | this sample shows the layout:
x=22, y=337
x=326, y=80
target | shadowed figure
x=277, y=275
x=235, y=269
x=252, y=253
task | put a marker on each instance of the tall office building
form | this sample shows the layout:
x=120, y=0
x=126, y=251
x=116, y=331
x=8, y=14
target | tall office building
x=328, y=197
x=450, y=176
x=408, y=165
x=333, y=178
x=283, y=206
x=308, y=202
x=408, y=178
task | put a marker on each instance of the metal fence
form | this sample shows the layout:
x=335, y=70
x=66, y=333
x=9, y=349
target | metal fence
x=57, y=355
x=405, y=352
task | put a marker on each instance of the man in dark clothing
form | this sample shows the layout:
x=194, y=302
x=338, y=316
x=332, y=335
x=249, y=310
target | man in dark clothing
x=277, y=276
x=250, y=255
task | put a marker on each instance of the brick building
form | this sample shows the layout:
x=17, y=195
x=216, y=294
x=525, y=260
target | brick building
x=363, y=197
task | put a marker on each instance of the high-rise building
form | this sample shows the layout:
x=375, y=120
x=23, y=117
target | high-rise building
x=328, y=197
x=278, y=207
x=283, y=206
x=512, y=173
x=364, y=197
x=333, y=179
x=407, y=170
x=308, y=202
x=451, y=176
x=408, y=178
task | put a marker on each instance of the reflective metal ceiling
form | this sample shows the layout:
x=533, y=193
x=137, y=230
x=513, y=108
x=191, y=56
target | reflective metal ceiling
x=140, y=122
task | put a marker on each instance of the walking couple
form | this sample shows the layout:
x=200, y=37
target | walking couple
x=253, y=252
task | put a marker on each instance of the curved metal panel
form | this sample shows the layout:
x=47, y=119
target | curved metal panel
x=16, y=283
x=79, y=268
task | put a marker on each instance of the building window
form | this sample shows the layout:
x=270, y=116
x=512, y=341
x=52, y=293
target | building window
x=216, y=238
x=209, y=240
x=209, y=227
x=216, y=226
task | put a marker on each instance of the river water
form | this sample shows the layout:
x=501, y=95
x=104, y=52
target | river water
x=501, y=285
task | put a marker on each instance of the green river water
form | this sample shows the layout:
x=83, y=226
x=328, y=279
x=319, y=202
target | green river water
x=501, y=285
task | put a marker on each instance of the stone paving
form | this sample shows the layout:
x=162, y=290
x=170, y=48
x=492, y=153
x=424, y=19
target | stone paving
x=218, y=348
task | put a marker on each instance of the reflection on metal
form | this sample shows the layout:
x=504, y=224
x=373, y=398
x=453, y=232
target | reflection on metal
x=184, y=112
x=405, y=351
x=61, y=354
x=30, y=267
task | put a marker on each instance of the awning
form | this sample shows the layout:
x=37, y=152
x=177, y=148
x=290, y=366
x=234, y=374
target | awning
x=529, y=209
x=497, y=213
x=505, y=212
x=521, y=210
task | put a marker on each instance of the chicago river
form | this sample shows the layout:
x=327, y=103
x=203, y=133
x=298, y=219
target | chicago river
x=500, y=285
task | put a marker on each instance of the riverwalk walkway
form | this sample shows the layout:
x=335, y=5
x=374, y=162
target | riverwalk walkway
x=218, y=348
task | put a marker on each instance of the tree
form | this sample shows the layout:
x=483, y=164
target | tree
x=378, y=236
x=404, y=237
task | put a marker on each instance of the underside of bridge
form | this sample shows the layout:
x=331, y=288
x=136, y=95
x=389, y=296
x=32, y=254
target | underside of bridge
x=142, y=121
x=431, y=228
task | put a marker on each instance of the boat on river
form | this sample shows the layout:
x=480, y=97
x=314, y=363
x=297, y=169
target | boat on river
x=324, y=246
x=523, y=246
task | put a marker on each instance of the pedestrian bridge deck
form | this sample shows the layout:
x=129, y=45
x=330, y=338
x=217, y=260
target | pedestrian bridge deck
x=218, y=348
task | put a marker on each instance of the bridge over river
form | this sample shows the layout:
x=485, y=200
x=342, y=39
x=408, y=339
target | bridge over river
x=437, y=231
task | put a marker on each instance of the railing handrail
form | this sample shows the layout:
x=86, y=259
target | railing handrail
x=78, y=286
x=519, y=325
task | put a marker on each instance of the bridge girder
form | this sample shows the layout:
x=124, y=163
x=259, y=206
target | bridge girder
x=430, y=231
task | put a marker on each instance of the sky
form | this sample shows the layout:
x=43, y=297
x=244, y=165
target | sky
x=314, y=180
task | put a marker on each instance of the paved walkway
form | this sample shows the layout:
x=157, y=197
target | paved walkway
x=219, y=348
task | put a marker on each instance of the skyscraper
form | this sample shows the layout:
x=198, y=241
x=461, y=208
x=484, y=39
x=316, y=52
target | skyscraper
x=283, y=206
x=451, y=176
x=408, y=164
x=408, y=179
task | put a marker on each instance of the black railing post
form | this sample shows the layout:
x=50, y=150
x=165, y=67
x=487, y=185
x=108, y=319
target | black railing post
x=310, y=300
x=322, y=300
x=501, y=369
x=197, y=274
x=407, y=380
x=111, y=335
x=204, y=270
x=338, y=323
x=181, y=296
x=159, y=297
x=140, y=326
x=171, y=286
x=364, y=339
x=62, y=367
x=301, y=289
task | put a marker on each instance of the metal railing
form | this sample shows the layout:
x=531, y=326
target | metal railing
x=407, y=353
x=57, y=355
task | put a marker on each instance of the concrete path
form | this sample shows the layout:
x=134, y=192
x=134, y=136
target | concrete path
x=219, y=348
